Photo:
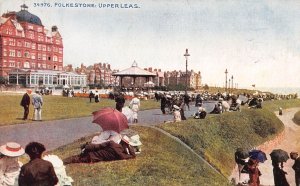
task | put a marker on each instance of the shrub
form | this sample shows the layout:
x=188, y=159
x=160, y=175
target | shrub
x=296, y=118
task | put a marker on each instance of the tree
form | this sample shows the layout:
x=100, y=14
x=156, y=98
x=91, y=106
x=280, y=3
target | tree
x=206, y=87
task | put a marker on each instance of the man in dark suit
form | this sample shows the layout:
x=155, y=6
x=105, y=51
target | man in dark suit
x=25, y=102
x=296, y=166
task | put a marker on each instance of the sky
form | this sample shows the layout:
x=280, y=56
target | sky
x=258, y=42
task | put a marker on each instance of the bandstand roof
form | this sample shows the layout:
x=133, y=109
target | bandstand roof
x=134, y=71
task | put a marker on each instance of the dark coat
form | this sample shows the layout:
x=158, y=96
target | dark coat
x=25, y=102
x=279, y=177
x=37, y=172
x=109, y=151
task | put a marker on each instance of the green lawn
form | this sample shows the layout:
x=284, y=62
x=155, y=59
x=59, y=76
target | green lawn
x=56, y=107
x=163, y=161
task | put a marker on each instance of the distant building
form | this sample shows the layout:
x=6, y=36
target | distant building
x=99, y=73
x=178, y=77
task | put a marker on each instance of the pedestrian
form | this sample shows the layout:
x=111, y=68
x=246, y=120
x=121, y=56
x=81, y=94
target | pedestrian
x=181, y=106
x=187, y=100
x=91, y=95
x=135, y=107
x=37, y=171
x=279, y=174
x=120, y=101
x=163, y=102
x=9, y=164
x=96, y=97
x=37, y=102
x=254, y=172
x=296, y=166
x=176, y=113
x=25, y=102
x=240, y=160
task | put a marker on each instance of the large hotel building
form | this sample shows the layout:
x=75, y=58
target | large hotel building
x=30, y=54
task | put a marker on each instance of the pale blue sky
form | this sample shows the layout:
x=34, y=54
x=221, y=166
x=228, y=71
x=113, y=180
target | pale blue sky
x=257, y=41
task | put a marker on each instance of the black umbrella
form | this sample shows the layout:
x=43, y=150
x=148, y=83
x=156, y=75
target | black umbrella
x=242, y=153
x=279, y=155
x=258, y=155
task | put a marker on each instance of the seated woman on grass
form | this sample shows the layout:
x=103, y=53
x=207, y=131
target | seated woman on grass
x=106, y=151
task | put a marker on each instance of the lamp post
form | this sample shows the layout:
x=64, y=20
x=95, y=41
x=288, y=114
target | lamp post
x=186, y=55
x=226, y=72
x=229, y=86
x=232, y=83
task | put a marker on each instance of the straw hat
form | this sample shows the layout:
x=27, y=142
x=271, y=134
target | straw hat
x=135, y=140
x=12, y=149
x=176, y=107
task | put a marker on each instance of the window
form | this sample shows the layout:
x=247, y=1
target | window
x=19, y=43
x=4, y=52
x=33, y=45
x=27, y=44
x=54, y=58
x=32, y=65
x=39, y=65
x=44, y=65
x=32, y=55
x=4, y=42
x=57, y=41
x=11, y=63
x=44, y=47
x=19, y=54
x=18, y=64
x=26, y=64
x=12, y=53
x=30, y=27
x=49, y=48
x=60, y=50
x=26, y=54
x=44, y=57
x=39, y=47
x=31, y=35
x=49, y=58
x=39, y=56
x=12, y=42
x=60, y=59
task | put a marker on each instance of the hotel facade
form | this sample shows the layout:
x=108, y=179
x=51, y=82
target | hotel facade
x=30, y=54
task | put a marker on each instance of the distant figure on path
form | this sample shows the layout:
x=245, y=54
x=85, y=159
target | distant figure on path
x=9, y=164
x=296, y=166
x=97, y=97
x=37, y=171
x=176, y=114
x=120, y=101
x=163, y=103
x=37, y=102
x=186, y=99
x=91, y=95
x=135, y=107
x=25, y=102
x=279, y=175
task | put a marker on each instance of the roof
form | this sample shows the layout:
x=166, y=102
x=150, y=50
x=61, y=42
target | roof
x=24, y=15
x=134, y=70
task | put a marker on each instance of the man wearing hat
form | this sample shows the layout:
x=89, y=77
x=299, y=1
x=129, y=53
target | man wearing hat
x=296, y=166
x=25, y=102
x=9, y=165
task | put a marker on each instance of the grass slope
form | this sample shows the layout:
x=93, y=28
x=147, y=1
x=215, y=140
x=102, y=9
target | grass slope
x=163, y=161
x=217, y=137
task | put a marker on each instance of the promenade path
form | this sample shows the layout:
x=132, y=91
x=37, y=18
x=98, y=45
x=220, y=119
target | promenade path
x=54, y=134
x=290, y=142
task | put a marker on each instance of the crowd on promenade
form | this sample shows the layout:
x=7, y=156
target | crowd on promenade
x=114, y=146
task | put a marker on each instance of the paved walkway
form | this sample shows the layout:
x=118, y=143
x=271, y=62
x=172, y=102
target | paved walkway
x=60, y=132
x=291, y=142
